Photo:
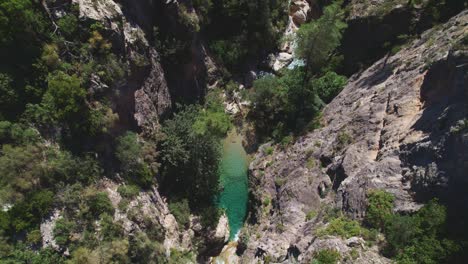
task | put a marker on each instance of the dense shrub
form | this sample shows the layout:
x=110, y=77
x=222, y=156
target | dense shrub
x=418, y=238
x=62, y=231
x=110, y=230
x=181, y=211
x=100, y=203
x=144, y=250
x=27, y=214
x=316, y=40
x=67, y=96
x=240, y=29
x=379, y=209
x=329, y=85
x=342, y=227
x=128, y=191
x=286, y=104
x=129, y=152
x=326, y=256
x=191, y=152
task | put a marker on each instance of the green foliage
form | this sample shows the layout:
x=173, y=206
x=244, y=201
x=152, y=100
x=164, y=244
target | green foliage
x=188, y=19
x=22, y=29
x=23, y=254
x=422, y=237
x=379, y=209
x=417, y=238
x=191, y=152
x=178, y=256
x=342, y=227
x=67, y=95
x=203, y=7
x=326, y=256
x=279, y=182
x=181, y=211
x=50, y=56
x=290, y=102
x=343, y=140
x=14, y=133
x=240, y=29
x=329, y=85
x=317, y=40
x=8, y=94
x=269, y=150
x=128, y=191
x=283, y=104
x=210, y=215
x=100, y=203
x=20, y=171
x=68, y=25
x=110, y=230
x=144, y=250
x=310, y=163
x=229, y=51
x=129, y=152
x=212, y=119
x=27, y=214
x=285, y=141
x=98, y=43
x=34, y=237
x=311, y=215
x=115, y=251
x=62, y=231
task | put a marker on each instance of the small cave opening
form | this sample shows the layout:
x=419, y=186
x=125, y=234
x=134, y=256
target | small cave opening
x=260, y=253
x=337, y=176
x=293, y=252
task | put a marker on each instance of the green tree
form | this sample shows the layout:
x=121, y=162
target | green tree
x=23, y=28
x=277, y=104
x=129, y=152
x=329, y=85
x=191, y=153
x=316, y=40
x=62, y=231
x=421, y=237
x=379, y=209
x=8, y=95
x=28, y=213
x=100, y=203
x=67, y=95
x=21, y=169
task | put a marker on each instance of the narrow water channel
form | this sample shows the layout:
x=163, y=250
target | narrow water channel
x=233, y=177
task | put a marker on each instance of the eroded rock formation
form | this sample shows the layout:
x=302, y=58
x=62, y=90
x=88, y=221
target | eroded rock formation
x=397, y=126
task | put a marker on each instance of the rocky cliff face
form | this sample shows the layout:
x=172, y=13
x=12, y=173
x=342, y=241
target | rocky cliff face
x=144, y=97
x=376, y=26
x=400, y=126
x=150, y=88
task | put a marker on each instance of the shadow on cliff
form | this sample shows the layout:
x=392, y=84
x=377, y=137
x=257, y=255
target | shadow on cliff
x=438, y=165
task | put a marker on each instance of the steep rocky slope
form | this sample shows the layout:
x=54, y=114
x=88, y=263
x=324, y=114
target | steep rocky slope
x=399, y=126
x=143, y=99
x=375, y=27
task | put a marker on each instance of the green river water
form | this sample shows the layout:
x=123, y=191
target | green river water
x=233, y=176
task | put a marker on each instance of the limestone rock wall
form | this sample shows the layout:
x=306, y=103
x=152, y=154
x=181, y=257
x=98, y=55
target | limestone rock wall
x=399, y=126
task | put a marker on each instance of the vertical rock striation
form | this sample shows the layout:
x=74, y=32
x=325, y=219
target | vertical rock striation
x=400, y=126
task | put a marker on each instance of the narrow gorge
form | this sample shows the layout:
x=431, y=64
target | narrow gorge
x=233, y=131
